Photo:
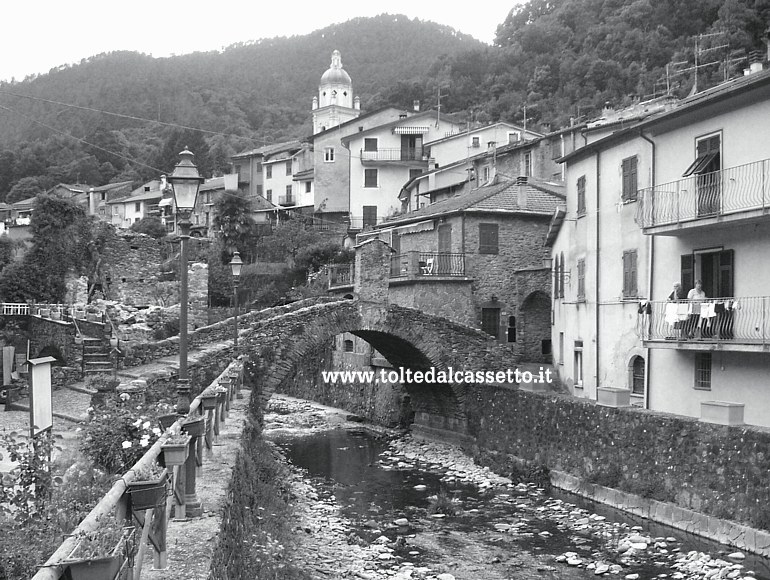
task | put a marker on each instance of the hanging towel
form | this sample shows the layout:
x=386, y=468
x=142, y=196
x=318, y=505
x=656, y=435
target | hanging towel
x=671, y=313
x=682, y=310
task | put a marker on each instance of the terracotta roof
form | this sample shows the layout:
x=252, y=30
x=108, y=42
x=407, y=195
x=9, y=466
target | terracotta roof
x=213, y=183
x=541, y=199
x=111, y=186
x=268, y=149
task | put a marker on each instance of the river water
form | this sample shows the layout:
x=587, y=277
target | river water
x=413, y=498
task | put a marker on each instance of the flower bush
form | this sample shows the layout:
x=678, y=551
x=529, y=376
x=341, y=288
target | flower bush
x=103, y=541
x=118, y=434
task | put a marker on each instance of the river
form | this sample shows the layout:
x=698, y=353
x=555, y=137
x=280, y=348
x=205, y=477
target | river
x=416, y=509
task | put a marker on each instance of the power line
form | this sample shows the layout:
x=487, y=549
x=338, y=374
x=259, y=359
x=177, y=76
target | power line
x=131, y=117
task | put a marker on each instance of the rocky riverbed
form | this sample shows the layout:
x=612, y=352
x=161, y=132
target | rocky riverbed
x=376, y=504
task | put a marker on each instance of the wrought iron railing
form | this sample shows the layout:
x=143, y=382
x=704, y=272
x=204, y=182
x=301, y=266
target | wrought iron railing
x=728, y=191
x=340, y=275
x=394, y=154
x=427, y=264
x=744, y=320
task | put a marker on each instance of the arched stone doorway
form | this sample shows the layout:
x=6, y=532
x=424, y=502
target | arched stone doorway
x=534, y=328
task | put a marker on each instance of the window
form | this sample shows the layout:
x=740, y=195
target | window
x=329, y=154
x=485, y=173
x=146, y=188
x=714, y=268
x=475, y=142
x=269, y=195
x=268, y=171
x=581, y=195
x=708, y=182
x=115, y=210
x=630, y=289
x=103, y=195
x=577, y=368
x=308, y=187
x=370, y=177
x=101, y=211
x=488, y=238
x=288, y=167
x=581, y=280
x=637, y=376
x=370, y=215
x=545, y=347
x=288, y=193
x=259, y=189
x=258, y=168
x=348, y=345
x=370, y=144
x=511, y=329
x=136, y=219
x=513, y=137
x=137, y=206
x=561, y=276
x=527, y=169
x=629, y=179
x=561, y=348
x=490, y=321
x=555, y=148
x=703, y=371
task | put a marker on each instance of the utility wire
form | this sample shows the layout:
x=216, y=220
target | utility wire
x=131, y=117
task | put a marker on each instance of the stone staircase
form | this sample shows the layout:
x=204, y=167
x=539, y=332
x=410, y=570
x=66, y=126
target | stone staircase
x=96, y=357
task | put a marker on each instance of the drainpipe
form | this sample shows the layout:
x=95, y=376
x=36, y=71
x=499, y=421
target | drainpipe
x=598, y=261
x=350, y=214
x=650, y=262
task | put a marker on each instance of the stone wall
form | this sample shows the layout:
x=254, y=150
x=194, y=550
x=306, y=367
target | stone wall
x=451, y=299
x=54, y=338
x=131, y=263
x=716, y=470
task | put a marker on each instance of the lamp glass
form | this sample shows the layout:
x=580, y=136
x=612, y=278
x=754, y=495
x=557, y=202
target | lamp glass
x=236, y=264
x=185, y=182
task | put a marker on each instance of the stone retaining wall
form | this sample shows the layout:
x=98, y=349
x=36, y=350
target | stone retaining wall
x=666, y=467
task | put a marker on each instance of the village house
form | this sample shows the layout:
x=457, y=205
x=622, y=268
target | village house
x=679, y=195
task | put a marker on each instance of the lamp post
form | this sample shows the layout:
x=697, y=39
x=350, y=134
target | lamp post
x=185, y=181
x=235, y=265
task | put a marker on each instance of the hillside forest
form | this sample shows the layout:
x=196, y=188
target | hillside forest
x=124, y=116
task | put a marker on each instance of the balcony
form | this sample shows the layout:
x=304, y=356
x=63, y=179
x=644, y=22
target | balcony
x=732, y=196
x=394, y=155
x=728, y=324
x=427, y=264
x=340, y=276
x=286, y=200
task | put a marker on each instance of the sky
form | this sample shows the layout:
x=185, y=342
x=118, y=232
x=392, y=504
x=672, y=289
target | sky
x=43, y=34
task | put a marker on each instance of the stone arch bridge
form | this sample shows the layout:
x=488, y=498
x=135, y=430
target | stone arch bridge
x=407, y=338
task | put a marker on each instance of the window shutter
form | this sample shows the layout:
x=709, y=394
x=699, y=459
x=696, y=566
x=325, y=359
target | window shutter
x=488, y=239
x=687, y=272
x=634, y=288
x=726, y=261
x=626, y=273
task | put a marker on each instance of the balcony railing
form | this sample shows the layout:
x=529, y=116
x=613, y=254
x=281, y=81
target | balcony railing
x=340, y=275
x=728, y=191
x=727, y=321
x=286, y=200
x=394, y=154
x=439, y=264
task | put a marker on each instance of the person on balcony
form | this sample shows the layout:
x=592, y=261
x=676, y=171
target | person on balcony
x=673, y=316
x=695, y=296
x=677, y=294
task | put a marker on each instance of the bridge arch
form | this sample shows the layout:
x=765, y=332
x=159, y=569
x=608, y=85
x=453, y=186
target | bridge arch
x=407, y=338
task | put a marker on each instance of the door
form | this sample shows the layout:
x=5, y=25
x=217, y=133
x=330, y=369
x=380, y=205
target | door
x=370, y=215
x=444, y=258
x=708, y=180
x=411, y=147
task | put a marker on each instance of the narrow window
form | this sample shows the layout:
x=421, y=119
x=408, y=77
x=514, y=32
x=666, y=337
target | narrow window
x=630, y=289
x=268, y=171
x=348, y=346
x=577, y=368
x=561, y=348
x=104, y=195
x=511, y=329
x=288, y=193
x=581, y=195
x=370, y=178
x=138, y=206
x=308, y=186
x=629, y=179
x=637, y=376
x=288, y=167
x=259, y=189
x=581, y=280
x=475, y=142
x=329, y=154
x=488, y=238
x=370, y=215
x=269, y=195
x=703, y=371
x=527, y=169
x=561, y=276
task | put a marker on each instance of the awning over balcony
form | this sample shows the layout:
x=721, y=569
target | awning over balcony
x=410, y=130
x=416, y=228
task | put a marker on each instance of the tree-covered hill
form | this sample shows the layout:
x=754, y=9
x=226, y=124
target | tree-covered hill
x=559, y=58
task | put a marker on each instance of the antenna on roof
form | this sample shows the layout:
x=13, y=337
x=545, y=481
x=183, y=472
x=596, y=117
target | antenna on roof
x=439, y=96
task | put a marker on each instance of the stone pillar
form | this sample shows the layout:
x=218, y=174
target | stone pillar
x=193, y=507
x=372, y=275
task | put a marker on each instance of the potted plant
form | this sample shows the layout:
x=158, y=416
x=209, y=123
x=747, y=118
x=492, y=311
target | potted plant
x=209, y=399
x=148, y=488
x=99, y=554
x=175, y=449
x=167, y=415
x=195, y=427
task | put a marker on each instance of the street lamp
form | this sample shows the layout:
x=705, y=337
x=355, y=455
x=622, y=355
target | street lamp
x=235, y=265
x=185, y=181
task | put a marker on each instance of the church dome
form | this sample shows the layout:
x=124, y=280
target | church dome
x=336, y=75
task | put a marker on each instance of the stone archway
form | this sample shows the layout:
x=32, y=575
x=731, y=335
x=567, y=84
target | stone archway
x=535, y=328
x=407, y=338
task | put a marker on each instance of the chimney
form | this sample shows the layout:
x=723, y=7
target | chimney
x=91, y=201
x=315, y=103
x=755, y=61
x=607, y=110
x=416, y=105
x=357, y=103
x=521, y=193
